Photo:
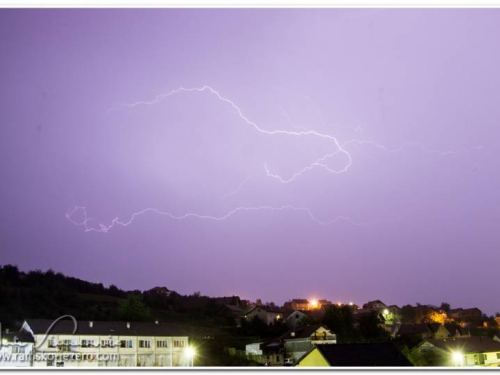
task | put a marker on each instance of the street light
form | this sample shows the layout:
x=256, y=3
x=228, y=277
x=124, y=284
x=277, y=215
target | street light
x=189, y=353
x=457, y=358
x=314, y=303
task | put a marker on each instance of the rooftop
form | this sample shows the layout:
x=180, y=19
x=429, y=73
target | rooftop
x=383, y=354
x=467, y=344
x=41, y=326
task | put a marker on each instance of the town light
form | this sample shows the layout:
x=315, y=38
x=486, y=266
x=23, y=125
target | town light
x=351, y=304
x=386, y=312
x=314, y=303
x=190, y=352
x=457, y=358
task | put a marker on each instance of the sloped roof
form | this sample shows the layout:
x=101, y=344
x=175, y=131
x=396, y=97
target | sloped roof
x=300, y=300
x=21, y=337
x=287, y=313
x=41, y=326
x=302, y=332
x=472, y=310
x=234, y=308
x=268, y=309
x=371, y=303
x=467, y=344
x=383, y=354
x=434, y=327
x=414, y=329
x=453, y=329
x=159, y=289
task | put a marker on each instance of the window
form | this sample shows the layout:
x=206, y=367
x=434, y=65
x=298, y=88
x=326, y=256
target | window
x=162, y=344
x=144, y=343
x=88, y=343
x=126, y=344
x=498, y=355
x=50, y=361
x=179, y=343
x=107, y=343
x=16, y=349
x=52, y=343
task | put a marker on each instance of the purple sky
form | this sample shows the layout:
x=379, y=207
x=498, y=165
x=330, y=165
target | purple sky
x=409, y=215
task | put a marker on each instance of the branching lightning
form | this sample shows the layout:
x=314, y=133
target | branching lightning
x=338, y=148
x=117, y=222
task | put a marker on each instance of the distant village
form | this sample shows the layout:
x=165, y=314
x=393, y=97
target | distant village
x=51, y=320
x=439, y=336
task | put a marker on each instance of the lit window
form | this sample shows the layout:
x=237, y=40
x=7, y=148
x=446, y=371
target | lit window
x=107, y=343
x=88, y=343
x=179, y=343
x=162, y=344
x=144, y=343
x=126, y=344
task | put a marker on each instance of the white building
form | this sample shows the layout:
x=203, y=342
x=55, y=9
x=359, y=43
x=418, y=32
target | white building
x=463, y=351
x=16, y=349
x=107, y=344
x=300, y=340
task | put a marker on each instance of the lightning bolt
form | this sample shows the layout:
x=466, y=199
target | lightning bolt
x=321, y=162
x=117, y=222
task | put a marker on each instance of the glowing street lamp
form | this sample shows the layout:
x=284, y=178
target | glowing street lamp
x=457, y=358
x=314, y=303
x=189, y=352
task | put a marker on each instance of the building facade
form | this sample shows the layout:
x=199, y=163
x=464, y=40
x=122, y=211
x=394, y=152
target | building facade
x=107, y=344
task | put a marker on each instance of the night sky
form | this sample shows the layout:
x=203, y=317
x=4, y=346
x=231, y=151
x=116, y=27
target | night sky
x=343, y=154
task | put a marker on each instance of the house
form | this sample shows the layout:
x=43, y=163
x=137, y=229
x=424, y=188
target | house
x=159, y=291
x=269, y=315
x=462, y=352
x=383, y=354
x=497, y=319
x=455, y=330
x=71, y=343
x=266, y=353
x=471, y=314
x=299, y=341
x=374, y=305
x=423, y=331
x=16, y=349
x=295, y=318
x=299, y=304
x=324, y=303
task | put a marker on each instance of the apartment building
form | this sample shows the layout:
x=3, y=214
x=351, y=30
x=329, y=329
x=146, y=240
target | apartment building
x=69, y=343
